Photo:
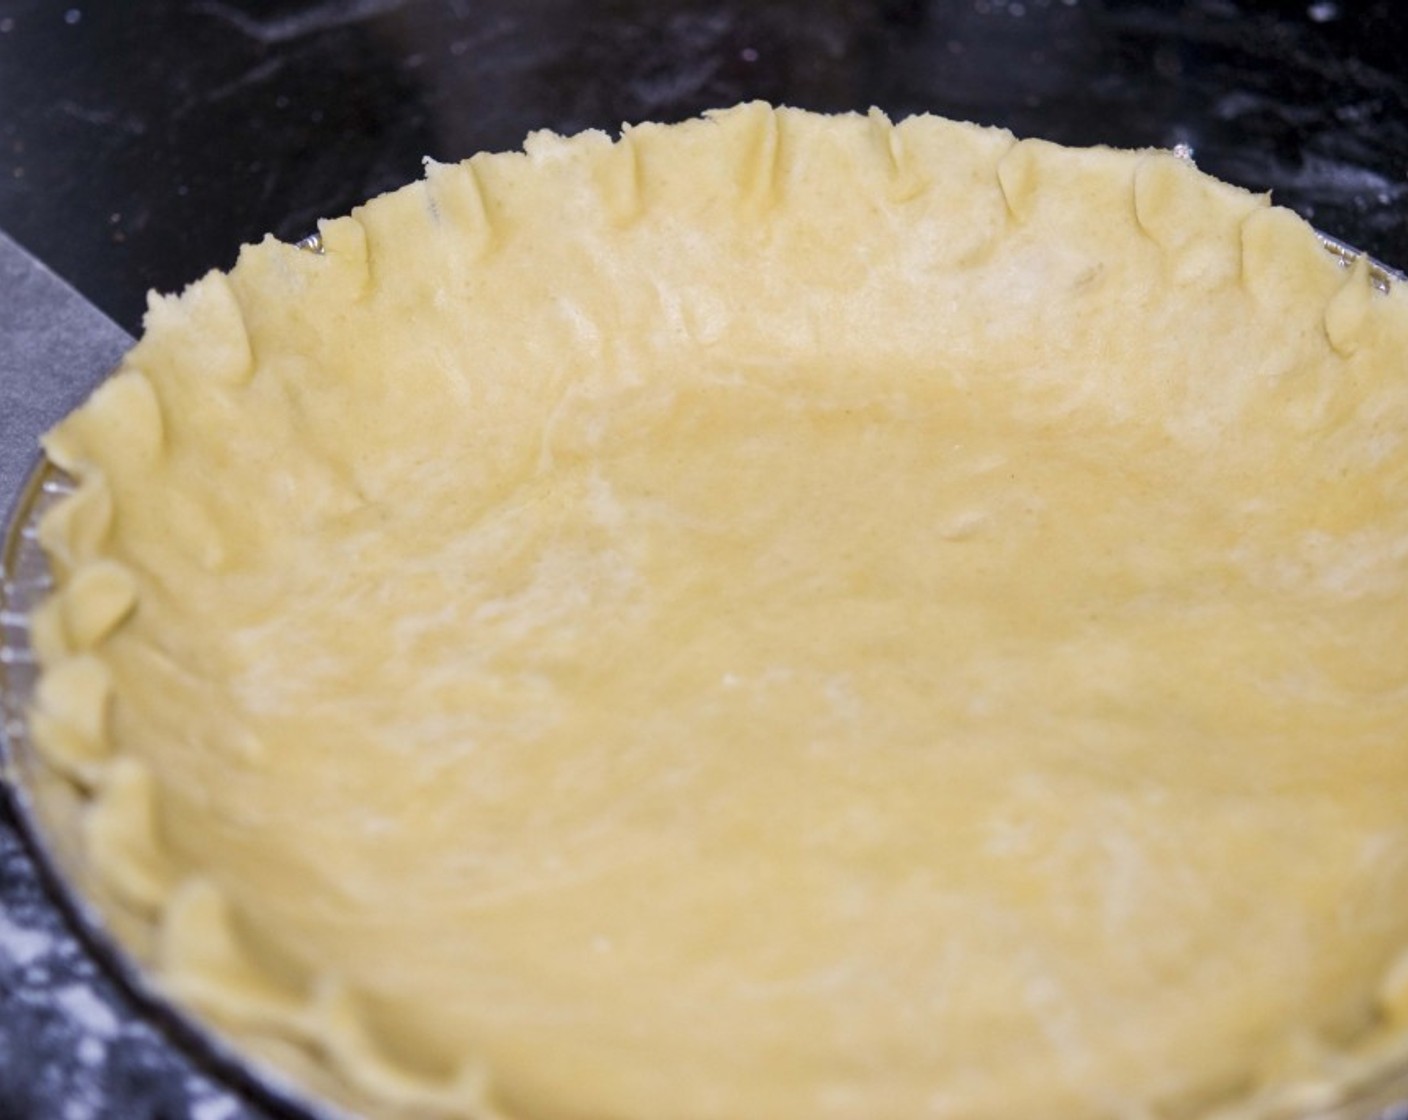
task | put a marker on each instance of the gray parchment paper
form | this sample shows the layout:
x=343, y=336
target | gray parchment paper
x=54, y=347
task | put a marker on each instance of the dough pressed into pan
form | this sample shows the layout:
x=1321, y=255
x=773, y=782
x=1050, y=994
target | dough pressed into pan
x=777, y=617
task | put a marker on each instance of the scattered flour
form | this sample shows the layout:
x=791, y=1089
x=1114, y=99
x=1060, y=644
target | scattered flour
x=91, y=1052
x=88, y=1012
x=215, y=1108
x=79, y=1108
x=22, y=946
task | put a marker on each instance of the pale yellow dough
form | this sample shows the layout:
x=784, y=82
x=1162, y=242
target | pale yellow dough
x=779, y=617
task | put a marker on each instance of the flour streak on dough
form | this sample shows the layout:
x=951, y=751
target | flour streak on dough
x=779, y=616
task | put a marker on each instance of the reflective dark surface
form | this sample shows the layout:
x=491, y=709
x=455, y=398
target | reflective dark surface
x=142, y=142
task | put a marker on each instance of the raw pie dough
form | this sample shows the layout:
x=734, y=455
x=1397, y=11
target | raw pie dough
x=779, y=616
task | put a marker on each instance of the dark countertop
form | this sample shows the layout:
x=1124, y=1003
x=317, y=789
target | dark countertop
x=142, y=142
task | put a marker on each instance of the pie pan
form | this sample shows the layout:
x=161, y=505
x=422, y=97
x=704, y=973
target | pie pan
x=50, y=810
x=47, y=806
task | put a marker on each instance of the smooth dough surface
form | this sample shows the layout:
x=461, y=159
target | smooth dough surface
x=775, y=617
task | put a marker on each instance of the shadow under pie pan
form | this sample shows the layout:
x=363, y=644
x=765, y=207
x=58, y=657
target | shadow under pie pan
x=300, y=1071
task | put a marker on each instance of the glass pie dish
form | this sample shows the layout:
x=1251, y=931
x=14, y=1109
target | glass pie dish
x=53, y=807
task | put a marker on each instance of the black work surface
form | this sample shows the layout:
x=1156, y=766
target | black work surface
x=142, y=142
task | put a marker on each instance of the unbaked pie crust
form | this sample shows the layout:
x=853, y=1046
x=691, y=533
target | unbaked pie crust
x=777, y=617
